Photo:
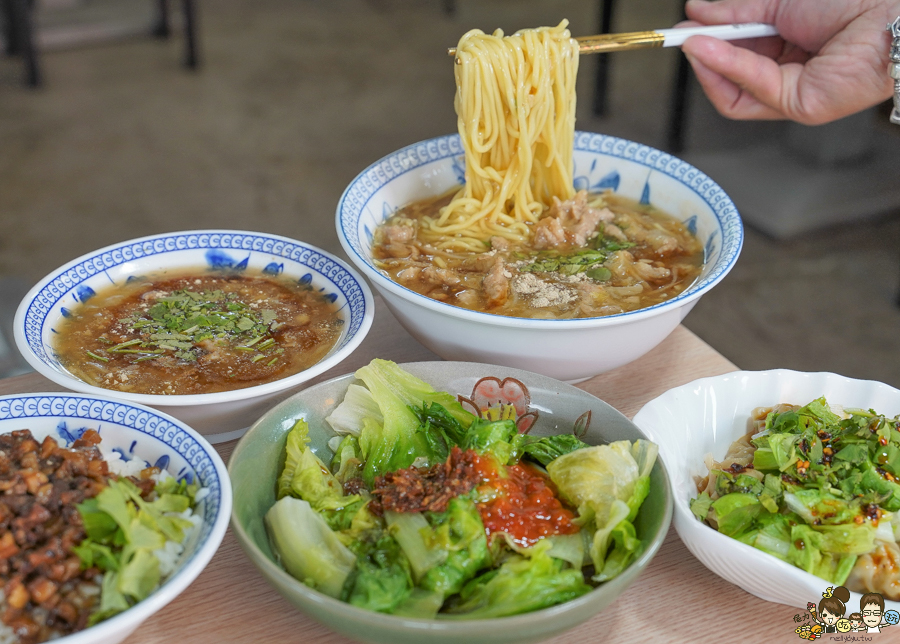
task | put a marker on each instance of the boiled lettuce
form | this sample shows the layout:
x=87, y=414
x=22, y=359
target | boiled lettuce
x=381, y=580
x=409, y=389
x=307, y=547
x=543, y=450
x=460, y=532
x=415, y=535
x=521, y=585
x=499, y=438
x=421, y=604
x=441, y=430
x=608, y=484
x=444, y=549
x=347, y=461
x=356, y=405
x=416, y=564
x=306, y=477
x=397, y=443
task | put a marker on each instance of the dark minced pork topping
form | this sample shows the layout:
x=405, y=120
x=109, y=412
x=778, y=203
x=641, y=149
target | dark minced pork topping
x=416, y=489
x=41, y=485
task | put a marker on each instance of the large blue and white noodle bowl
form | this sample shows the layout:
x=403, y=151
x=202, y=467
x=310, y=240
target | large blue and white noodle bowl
x=142, y=435
x=569, y=350
x=222, y=415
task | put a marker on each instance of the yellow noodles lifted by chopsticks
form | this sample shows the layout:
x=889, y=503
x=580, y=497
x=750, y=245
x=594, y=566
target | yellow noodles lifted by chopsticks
x=515, y=99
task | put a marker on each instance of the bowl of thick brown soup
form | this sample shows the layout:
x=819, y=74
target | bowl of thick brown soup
x=596, y=281
x=210, y=326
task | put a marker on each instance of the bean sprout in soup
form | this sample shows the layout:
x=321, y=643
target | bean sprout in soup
x=197, y=333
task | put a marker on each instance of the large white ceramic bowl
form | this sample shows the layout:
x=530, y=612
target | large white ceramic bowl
x=569, y=350
x=705, y=417
x=219, y=416
x=136, y=432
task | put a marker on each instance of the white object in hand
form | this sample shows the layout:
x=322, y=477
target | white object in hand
x=676, y=37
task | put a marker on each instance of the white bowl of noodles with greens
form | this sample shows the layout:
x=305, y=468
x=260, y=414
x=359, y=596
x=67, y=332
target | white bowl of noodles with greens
x=567, y=346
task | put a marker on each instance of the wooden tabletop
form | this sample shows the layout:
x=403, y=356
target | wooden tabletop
x=675, y=599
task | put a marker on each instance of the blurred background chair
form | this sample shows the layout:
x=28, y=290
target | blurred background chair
x=18, y=22
x=26, y=36
x=163, y=29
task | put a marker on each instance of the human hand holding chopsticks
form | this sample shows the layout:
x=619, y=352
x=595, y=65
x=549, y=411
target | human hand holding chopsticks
x=829, y=62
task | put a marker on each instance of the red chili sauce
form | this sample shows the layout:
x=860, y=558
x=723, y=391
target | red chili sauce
x=524, y=504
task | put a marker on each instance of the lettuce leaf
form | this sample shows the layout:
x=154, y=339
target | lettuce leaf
x=357, y=405
x=306, y=477
x=440, y=428
x=700, y=506
x=608, y=484
x=499, y=438
x=543, y=450
x=307, y=548
x=347, y=461
x=735, y=512
x=521, y=585
x=813, y=551
x=410, y=390
x=625, y=547
x=123, y=532
x=416, y=537
x=460, y=532
x=381, y=579
x=396, y=443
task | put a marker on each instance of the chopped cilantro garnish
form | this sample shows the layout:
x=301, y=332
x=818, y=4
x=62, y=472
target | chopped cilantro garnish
x=178, y=322
x=572, y=263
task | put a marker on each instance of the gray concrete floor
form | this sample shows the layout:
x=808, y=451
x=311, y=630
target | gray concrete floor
x=295, y=97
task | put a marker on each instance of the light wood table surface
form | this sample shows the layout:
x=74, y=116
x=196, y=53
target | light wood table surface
x=676, y=599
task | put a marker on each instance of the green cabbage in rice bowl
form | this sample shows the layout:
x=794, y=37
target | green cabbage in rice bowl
x=84, y=533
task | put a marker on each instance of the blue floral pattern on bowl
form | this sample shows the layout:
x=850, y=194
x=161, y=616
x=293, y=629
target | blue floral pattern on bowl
x=220, y=250
x=359, y=210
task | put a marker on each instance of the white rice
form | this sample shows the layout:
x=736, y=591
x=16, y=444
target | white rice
x=169, y=555
x=121, y=467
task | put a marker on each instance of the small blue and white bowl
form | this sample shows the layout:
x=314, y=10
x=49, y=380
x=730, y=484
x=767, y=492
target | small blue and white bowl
x=570, y=350
x=218, y=416
x=134, y=433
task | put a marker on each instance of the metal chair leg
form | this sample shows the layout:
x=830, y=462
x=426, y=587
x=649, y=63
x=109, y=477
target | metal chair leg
x=162, y=28
x=190, y=34
x=678, y=104
x=678, y=108
x=601, y=78
x=9, y=28
x=22, y=25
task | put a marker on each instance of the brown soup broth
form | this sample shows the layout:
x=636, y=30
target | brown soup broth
x=197, y=333
x=648, y=257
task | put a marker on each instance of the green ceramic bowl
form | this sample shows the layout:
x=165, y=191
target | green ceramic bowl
x=548, y=406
